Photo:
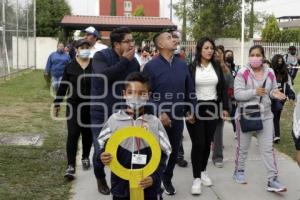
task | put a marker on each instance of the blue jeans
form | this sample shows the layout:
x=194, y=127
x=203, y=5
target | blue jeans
x=55, y=81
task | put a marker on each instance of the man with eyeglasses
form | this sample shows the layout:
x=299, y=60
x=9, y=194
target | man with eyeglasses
x=115, y=64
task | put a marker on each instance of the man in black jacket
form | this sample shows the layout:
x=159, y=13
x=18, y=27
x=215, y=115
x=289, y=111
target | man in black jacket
x=109, y=66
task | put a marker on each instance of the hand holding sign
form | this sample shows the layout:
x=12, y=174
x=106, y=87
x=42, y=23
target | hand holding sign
x=136, y=177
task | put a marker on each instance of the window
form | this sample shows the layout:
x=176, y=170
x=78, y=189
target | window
x=127, y=6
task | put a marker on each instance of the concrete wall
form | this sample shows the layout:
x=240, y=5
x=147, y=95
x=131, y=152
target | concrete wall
x=22, y=51
x=44, y=47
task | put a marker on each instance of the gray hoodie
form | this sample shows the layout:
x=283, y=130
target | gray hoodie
x=245, y=91
x=121, y=119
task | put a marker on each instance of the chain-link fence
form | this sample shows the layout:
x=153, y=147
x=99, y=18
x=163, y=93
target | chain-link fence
x=17, y=36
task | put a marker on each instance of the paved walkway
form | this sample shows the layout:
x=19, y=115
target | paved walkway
x=224, y=187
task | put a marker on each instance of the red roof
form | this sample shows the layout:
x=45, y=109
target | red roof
x=107, y=23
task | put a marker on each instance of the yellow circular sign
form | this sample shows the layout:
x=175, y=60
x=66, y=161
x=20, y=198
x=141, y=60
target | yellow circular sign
x=124, y=133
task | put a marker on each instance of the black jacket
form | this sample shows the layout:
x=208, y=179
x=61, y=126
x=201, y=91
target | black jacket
x=221, y=86
x=71, y=74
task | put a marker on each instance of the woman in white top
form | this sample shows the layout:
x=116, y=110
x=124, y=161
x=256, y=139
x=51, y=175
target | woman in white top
x=212, y=100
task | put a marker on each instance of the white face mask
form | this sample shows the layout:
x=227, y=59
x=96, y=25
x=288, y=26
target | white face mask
x=84, y=53
x=135, y=102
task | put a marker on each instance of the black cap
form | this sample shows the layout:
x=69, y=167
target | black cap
x=81, y=42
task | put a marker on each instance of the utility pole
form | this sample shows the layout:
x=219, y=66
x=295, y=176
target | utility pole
x=183, y=35
x=171, y=9
x=34, y=31
x=243, y=33
x=4, y=38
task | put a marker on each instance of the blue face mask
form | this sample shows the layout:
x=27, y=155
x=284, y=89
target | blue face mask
x=84, y=53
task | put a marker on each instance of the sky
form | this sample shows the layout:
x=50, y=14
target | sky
x=279, y=7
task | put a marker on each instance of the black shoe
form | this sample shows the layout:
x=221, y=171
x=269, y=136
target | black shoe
x=276, y=140
x=70, y=172
x=85, y=163
x=169, y=188
x=102, y=186
x=182, y=163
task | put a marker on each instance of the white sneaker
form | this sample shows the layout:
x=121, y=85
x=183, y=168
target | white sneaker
x=196, y=187
x=205, y=179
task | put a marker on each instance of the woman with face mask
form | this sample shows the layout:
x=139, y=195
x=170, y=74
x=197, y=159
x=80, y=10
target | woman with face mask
x=255, y=85
x=76, y=83
x=284, y=84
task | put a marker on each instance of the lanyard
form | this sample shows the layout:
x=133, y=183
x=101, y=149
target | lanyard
x=137, y=140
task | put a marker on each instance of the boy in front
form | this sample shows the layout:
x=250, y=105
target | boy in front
x=136, y=94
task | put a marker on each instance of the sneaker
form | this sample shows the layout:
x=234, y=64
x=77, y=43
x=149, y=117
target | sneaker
x=274, y=185
x=169, y=188
x=182, y=163
x=85, y=163
x=276, y=140
x=70, y=172
x=239, y=177
x=218, y=164
x=205, y=179
x=196, y=187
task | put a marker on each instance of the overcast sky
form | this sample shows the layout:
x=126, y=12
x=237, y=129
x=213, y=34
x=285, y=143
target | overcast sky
x=279, y=7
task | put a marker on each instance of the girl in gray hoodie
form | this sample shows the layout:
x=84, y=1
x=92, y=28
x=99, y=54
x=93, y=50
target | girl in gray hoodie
x=248, y=90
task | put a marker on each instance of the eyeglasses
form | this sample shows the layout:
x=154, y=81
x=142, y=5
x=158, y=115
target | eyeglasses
x=128, y=41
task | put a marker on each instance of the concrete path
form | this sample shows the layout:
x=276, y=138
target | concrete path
x=224, y=187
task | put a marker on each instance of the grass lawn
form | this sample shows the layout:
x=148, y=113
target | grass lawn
x=286, y=141
x=28, y=172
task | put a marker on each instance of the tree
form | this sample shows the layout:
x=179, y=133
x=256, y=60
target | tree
x=216, y=18
x=48, y=14
x=140, y=36
x=290, y=35
x=252, y=19
x=271, y=32
x=10, y=15
x=181, y=12
x=113, y=8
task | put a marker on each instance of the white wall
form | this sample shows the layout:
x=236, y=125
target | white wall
x=21, y=50
x=44, y=47
x=84, y=7
x=235, y=45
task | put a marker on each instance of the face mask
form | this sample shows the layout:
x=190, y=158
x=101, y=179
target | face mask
x=135, y=102
x=229, y=59
x=84, y=53
x=255, y=62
